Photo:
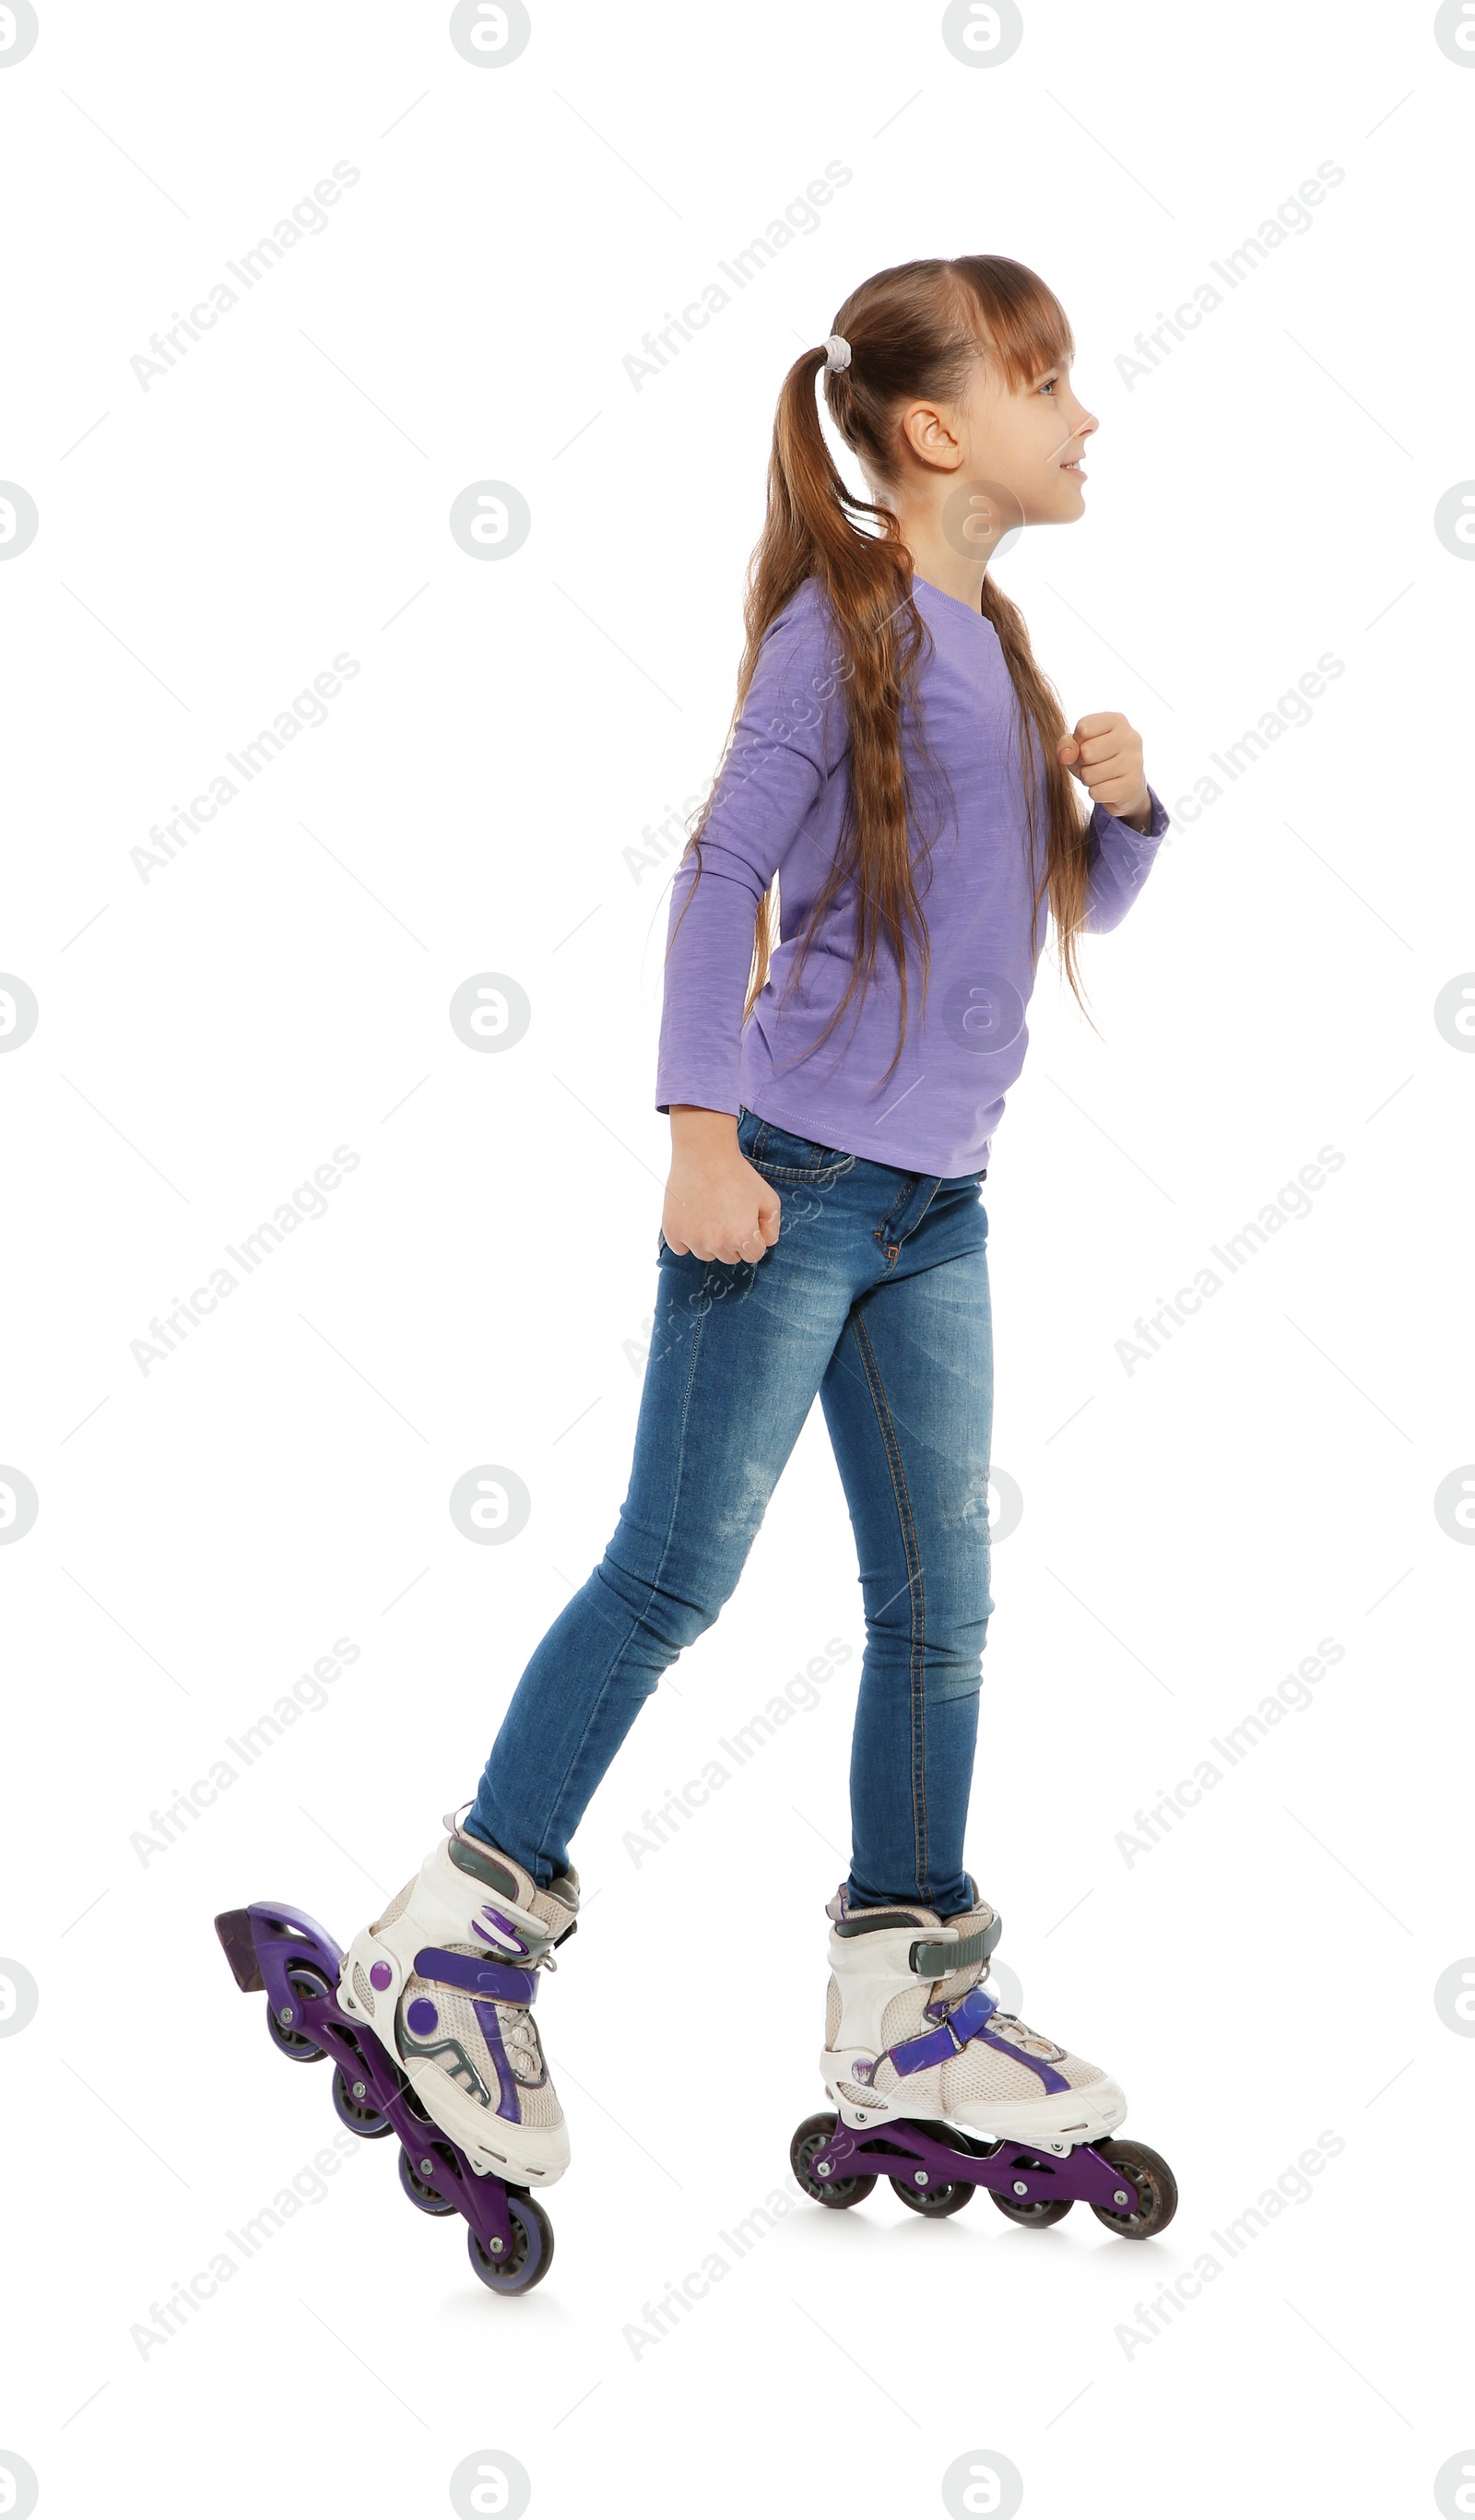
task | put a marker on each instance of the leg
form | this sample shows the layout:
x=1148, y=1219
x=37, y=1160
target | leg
x=908, y=1398
x=737, y=1356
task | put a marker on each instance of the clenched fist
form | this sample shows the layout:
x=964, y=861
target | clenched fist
x=717, y=1206
x=1105, y=753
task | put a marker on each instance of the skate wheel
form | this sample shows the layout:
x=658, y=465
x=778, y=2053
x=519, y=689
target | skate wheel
x=417, y=2186
x=807, y=2148
x=531, y=2252
x=303, y=1980
x=939, y=2197
x=1038, y=2212
x=1155, y=2185
x=357, y=2113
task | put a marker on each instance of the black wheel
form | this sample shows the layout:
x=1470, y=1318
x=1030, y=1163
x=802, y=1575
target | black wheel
x=939, y=2197
x=415, y=2177
x=1155, y=2185
x=1039, y=2212
x=531, y=2251
x=807, y=2148
x=304, y=1980
x=350, y=2098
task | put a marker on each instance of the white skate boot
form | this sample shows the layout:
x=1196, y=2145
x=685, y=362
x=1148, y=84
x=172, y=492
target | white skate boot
x=445, y=1979
x=910, y=2033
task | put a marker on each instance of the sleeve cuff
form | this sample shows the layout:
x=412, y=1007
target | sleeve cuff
x=1157, y=824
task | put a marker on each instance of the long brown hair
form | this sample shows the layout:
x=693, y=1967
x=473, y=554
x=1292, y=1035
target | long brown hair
x=913, y=331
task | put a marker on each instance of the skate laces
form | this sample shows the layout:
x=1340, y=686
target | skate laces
x=1034, y=2042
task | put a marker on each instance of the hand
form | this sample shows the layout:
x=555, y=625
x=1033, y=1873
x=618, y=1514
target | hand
x=1105, y=753
x=717, y=1207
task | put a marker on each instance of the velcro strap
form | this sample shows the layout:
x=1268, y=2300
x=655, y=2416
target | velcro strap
x=477, y=1976
x=957, y=2027
x=939, y=1959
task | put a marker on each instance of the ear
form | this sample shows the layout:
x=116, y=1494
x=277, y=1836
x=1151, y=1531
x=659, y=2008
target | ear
x=929, y=431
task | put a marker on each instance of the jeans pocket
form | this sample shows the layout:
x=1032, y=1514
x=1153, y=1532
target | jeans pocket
x=771, y=1149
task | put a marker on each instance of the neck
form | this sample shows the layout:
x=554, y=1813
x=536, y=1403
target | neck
x=953, y=540
x=953, y=572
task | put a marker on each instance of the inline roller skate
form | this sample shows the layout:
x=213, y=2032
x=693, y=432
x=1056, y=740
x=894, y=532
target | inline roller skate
x=427, y=2019
x=917, y=2055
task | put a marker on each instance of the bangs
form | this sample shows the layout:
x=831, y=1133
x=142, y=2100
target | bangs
x=1022, y=326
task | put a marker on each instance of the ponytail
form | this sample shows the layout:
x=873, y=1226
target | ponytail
x=913, y=331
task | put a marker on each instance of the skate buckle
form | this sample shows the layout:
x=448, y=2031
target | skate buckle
x=940, y=2045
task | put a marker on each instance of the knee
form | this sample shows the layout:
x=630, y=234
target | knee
x=944, y=1640
x=671, y=1619
x=951, y=1676
x=955, y=1644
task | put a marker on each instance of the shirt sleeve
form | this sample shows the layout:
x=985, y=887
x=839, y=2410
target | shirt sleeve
x=1120, y=862
x=791, y=736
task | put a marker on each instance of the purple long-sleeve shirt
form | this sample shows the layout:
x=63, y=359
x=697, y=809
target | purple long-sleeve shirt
x=777, y=809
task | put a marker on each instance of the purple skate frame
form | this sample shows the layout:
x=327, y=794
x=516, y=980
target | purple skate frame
x=899, y=2148
x=263, y=1944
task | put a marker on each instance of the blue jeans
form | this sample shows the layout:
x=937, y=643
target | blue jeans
x=876, y=1296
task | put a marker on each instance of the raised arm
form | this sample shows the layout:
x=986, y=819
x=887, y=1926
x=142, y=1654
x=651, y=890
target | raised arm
x=1120, y=861
x=1128, y=820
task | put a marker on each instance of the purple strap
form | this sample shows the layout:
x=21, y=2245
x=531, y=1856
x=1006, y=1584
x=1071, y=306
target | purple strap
x=965, y=2021
x=478, y=1976
x=968, y=2020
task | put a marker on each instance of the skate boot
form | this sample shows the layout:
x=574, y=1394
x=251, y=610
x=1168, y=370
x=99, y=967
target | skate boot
x=445, y=1979
x=913, y=2041
x=912, y=2033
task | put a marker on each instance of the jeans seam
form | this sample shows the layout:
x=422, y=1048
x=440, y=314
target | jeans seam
x=820, y=1172
x=917, y=1657
x=576, y=1754
x=896, y=1206
x=821, y=1175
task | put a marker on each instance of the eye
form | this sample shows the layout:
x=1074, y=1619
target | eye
x=1050, y=383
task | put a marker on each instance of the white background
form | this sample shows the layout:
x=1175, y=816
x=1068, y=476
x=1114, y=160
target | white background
x=1191, y=1528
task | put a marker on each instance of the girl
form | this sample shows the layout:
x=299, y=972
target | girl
x=892, y=817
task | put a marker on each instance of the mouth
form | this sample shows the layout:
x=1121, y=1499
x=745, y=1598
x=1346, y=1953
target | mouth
x=1075, y=466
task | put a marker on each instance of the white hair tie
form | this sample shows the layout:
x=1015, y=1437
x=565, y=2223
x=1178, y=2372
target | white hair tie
x=838, y=353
